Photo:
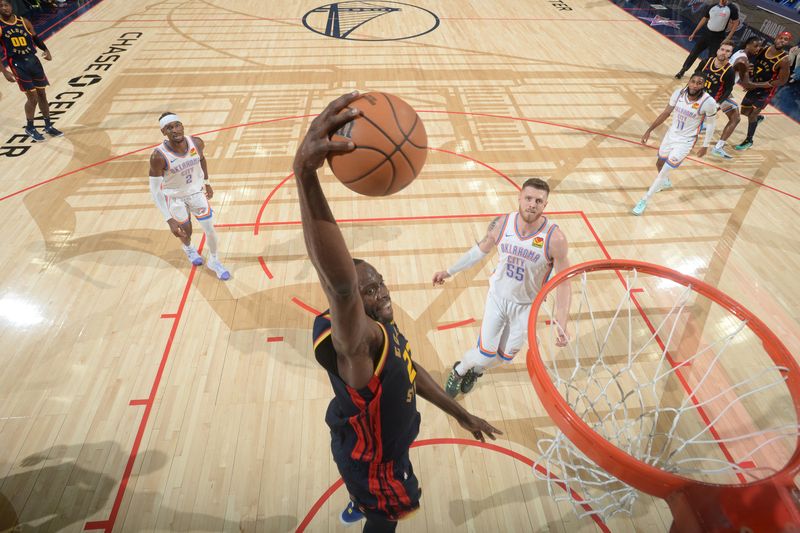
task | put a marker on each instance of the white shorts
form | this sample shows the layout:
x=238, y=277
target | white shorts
x=505, y=327
x=196, y=204
x=674, y=150
x=727, y=105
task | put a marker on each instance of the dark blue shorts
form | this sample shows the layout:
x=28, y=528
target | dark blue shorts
x=758, y=98
x=29, y=73
x=388, y=490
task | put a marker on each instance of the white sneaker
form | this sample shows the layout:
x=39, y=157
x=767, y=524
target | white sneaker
x=639, y=207
x=665, y=185
x=720, y=152
x=219, y=270
x=194, y=257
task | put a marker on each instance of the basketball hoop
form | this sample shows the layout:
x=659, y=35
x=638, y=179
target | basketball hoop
x=723, y=452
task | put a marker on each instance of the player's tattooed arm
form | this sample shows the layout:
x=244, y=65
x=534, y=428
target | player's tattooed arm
x=492, y=233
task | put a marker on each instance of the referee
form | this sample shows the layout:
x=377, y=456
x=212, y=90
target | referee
x=710, y=31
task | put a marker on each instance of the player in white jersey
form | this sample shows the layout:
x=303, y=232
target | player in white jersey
x=180, y=188
x=530, y=248
x=692, y=107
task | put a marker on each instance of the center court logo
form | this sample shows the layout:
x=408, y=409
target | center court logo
x=371, y=21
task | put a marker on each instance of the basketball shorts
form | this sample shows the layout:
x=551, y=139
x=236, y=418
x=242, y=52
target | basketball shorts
x=387, y=490
x=29, y=73
x=674, y=150
x=196, y=204
x=758, y=98
x=728, y=105
x=504, y=329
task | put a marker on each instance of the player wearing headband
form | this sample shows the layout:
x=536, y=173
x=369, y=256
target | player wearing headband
x=692, y=107
x=180, y=187
x=771, y=65
x=18, y=42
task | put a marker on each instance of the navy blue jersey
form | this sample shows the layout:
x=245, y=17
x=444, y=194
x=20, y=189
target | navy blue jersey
x=377, y=423
x=16, y=40
x=719, y=82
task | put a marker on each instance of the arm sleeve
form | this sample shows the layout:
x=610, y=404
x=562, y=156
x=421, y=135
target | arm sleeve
x=707, y=11
x=710, y=111
x=472, y=256
x=158, y=196
x=734, y=11
x=39, y=42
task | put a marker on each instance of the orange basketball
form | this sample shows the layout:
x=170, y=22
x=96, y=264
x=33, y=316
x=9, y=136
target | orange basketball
x=391, y=146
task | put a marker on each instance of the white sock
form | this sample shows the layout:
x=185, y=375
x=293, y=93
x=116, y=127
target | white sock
x=211, y=237
x=662, y=177
x=472, y=358
x=187, y=247
x=720, y=144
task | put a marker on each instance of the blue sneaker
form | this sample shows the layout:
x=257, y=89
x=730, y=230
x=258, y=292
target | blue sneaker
x=221, y=272
x=640, y=207
x=34, y=134
x=194, y=257
x=351, y=515
x=747, y=143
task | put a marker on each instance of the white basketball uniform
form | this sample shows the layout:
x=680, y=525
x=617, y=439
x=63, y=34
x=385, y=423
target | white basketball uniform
x=734, y=58
x=523, y=267
x=183, y=183
x=687, y=119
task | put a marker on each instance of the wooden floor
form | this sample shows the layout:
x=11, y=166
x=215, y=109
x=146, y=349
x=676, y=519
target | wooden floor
x=140, y=394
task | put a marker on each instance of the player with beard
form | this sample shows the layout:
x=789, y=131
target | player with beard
x=741, y=68
x=373, y=416
x=720, y=78
x=771, y=66
x=530, y=246
x=692, y=107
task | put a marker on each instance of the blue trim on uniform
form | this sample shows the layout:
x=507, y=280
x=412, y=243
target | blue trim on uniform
x=210, y=214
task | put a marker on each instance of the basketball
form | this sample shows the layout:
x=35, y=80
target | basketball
x=391, y=146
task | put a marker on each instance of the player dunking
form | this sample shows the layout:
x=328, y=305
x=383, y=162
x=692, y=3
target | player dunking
x=17, y=39
x=771, y=65
x=373, y=416
x=180, y=188
x=692, y=107
x=530, y=246
x=740, y=62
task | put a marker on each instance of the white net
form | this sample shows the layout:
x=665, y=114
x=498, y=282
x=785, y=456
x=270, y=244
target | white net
x=668, y=376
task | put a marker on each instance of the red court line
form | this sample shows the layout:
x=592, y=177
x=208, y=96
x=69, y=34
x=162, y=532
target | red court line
x=673, y=363
x=464, y=156
x=264, y=266
x=533, y=19
x=168, y=315
x=456, y=324
x=274, y=339
x=139, y=402
x=608, y=136
x=460, y=442
x=269, y=197
x=300, y=303
x=59, y=21
x=652, y=28
x=505, y=117
x=108, y=525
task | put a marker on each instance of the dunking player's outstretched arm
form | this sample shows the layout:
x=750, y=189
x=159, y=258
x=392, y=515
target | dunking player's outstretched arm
x=473, y=255
x=558, y=252
x=429, y=389
x=657, y=122
x=355, y=336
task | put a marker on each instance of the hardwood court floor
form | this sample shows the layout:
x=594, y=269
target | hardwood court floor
x=139, y=394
